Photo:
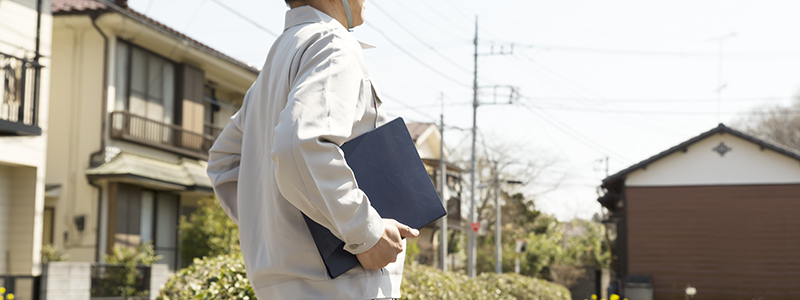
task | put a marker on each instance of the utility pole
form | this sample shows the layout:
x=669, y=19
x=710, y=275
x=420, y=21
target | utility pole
x=472, y=249
x=471, y=252
x=497, y=223
x=442, y=186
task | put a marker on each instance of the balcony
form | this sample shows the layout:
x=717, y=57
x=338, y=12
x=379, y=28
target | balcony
x=19, y=87
x=170, y=137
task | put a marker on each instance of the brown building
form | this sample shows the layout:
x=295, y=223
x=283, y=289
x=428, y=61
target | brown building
x=718, y=212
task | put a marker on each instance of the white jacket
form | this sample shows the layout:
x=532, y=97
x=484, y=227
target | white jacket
x=279, y=156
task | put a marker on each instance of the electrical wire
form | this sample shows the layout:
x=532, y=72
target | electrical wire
x=657, y=112
x=426, y=20
x=395, y=100
x=412, y=56
x=441, y=15
x=245, y=18
x=664, y=100
x=440, y=54
x=714, y=55
x=574, y=134
x=458, y=10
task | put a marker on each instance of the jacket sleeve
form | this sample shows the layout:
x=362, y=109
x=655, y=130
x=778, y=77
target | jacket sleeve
x=311, y=171
x=223, y=165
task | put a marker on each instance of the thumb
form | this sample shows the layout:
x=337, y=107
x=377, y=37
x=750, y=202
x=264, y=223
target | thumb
x=406, y=231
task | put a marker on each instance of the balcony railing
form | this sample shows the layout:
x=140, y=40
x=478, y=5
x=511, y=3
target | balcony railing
x=19, y=87
x=210, y=129
x=170, y=137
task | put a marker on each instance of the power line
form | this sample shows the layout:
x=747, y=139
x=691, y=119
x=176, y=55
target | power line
x=406, y=52
x=448, y=59
x=243, y=17
x=587, y=95
x=663, y=100
x=574, y=134
x=407, y=106
x=416, y=14
x=457, y=10
x=654, y=53
x=557, y=74
x=441, y=16
x=658, y=112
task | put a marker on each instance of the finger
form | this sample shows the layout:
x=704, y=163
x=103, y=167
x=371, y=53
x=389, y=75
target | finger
x=406, y=231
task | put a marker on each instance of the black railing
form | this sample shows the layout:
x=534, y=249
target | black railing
x=174, y=138
x=22, y=287
x=119, y=282
x=19, y=87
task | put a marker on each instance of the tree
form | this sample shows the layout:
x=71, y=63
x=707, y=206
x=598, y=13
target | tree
x=208, y=232
x=777, y=124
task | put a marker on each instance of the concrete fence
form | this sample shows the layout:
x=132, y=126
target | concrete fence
x=73, y=281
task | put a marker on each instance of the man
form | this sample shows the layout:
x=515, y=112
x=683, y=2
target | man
x=279, y=158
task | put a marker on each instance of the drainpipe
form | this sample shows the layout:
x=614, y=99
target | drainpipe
x=38, y=70
x=98, y=157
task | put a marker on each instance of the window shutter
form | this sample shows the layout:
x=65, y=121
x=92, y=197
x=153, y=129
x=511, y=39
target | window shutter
x=189, y=108
x=190, y=99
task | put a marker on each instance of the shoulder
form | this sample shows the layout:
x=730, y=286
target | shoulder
x=322, y=35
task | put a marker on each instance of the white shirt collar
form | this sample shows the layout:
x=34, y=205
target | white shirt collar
x=306, y=14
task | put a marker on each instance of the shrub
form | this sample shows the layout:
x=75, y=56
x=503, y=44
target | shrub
x=223, y=277
x=50, y=253
x=426, y=283
x=125, y=279
x=208, y=232
x=220, y=277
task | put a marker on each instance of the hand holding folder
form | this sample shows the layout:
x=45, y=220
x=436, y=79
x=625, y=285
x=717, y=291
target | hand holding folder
x=389, y=170
x=388, y=247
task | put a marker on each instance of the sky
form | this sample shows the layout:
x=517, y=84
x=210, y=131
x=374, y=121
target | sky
x=621, y=79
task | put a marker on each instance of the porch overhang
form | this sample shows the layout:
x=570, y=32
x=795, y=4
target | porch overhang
x=183, y=175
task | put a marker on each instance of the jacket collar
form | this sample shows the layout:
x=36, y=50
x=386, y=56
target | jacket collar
x=306, y=15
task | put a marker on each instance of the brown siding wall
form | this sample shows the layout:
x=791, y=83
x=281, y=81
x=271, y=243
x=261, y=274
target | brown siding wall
x=730, y=242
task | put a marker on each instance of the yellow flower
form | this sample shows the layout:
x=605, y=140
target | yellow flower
x=10, y=297
x=614, y=297
x=594, y=297
x=2, y=290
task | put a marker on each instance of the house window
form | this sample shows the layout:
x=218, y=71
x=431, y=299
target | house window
x=145, y=83
x=211, y=112
x=148, y=216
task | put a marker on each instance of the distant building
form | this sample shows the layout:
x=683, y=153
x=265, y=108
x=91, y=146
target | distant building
x=718, y=212
x=135, y=107
x=25, y=65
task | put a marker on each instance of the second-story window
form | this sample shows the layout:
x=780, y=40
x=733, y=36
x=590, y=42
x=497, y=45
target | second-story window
x=145, y=83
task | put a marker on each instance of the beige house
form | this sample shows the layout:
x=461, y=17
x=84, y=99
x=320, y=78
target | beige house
x=25, y=32
x=427, y=139
x=138, y=106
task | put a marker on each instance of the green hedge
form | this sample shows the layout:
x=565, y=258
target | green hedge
x=220, y=277
x=426, y=283
x=223, y=277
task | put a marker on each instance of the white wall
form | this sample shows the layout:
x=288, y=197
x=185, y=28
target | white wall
x=22, y=158
x=746, y=163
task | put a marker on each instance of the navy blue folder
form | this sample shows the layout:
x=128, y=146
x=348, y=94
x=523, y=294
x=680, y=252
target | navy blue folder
x=389, y=170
